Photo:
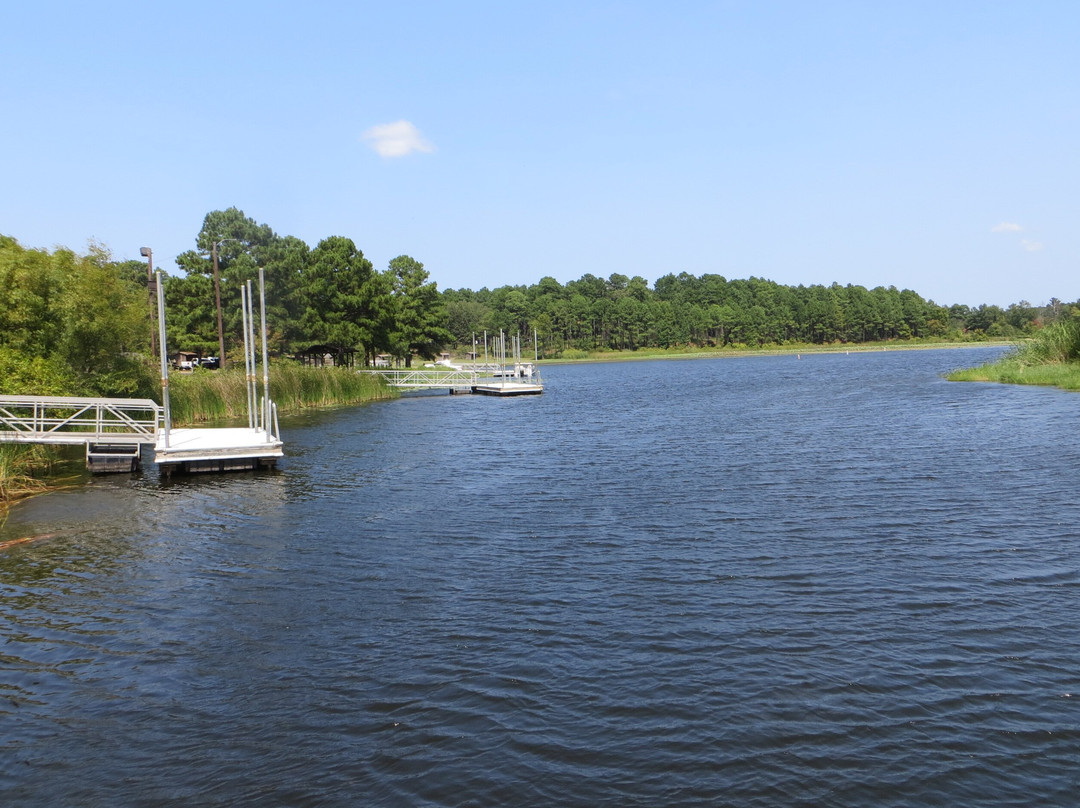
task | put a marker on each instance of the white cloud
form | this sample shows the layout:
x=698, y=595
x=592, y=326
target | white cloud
x=396, y=139
x=1031, y=246
x=1006, y=227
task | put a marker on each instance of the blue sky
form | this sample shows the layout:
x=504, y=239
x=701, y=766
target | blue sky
x=926, y=145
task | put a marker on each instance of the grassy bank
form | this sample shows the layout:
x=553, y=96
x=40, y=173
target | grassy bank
x=1051, y=359
x=682, y=352
x=1010, y=371
x=222, y=394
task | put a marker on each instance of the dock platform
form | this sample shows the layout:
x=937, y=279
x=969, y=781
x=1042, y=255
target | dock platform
x=508, y=389
x=217, y=449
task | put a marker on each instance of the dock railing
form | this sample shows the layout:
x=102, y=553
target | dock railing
x=427, y=378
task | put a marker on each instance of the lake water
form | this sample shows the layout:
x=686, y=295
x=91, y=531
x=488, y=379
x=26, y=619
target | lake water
x=835, y=580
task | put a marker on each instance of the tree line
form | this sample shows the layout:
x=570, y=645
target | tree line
x=621, y=313
x=332, y=296
x=83, y=324
x=86, y=325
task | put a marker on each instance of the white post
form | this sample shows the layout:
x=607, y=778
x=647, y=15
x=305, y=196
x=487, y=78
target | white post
x=247, y=359
x=266, y=365
x=253, y=384
x=164, y=359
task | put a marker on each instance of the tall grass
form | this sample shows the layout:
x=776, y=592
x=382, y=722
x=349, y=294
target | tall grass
x=220, y=395
x=20, y=467
x=1056, y=344
x=1051, y=359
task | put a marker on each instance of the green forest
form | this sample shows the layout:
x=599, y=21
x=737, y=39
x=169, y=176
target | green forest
x=82, y=324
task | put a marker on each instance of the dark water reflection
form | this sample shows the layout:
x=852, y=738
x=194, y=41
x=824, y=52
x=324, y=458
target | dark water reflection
x=835, y=580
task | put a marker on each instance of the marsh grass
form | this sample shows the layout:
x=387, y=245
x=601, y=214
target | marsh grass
x=1055, y=344
x=219, y=395
x=1051, y=359
x=1012, y=371
x=21, y=469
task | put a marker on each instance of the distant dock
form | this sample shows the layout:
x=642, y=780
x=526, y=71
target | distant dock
x=522, y=379
x=510, y=388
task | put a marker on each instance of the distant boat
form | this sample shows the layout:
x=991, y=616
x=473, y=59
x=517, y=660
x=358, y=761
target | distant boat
x=520, y=370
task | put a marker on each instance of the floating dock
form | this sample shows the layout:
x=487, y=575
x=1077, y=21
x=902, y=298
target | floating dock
x=113, y=458
x=508, y=389
x=217, y=449
x=223, y=448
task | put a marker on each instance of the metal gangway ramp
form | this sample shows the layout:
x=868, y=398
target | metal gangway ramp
x=71, y=420
x=112, y=429
x=428, y=379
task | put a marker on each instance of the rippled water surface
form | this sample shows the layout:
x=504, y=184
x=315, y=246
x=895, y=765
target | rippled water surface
x=834, y=580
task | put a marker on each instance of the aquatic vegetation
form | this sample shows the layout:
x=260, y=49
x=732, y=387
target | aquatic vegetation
x=1057, y=343
x=207, y=395
x=20, y=468
x=1051, y=359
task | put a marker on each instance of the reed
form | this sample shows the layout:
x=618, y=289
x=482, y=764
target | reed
x=219, y=395
x=21, y=467
x=1055, y=344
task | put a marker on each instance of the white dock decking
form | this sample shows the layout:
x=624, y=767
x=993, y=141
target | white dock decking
x=508, y=389
x=217, y=449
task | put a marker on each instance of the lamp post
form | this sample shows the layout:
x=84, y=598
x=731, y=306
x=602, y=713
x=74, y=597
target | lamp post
x=151, y=287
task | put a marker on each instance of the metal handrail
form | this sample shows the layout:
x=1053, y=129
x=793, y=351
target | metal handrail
x=420, y=378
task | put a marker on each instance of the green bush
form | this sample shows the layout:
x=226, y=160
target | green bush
x=21, y=374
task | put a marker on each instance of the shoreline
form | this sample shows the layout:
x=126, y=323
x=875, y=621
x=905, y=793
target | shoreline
x=865, y=347
x=1059, y=375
